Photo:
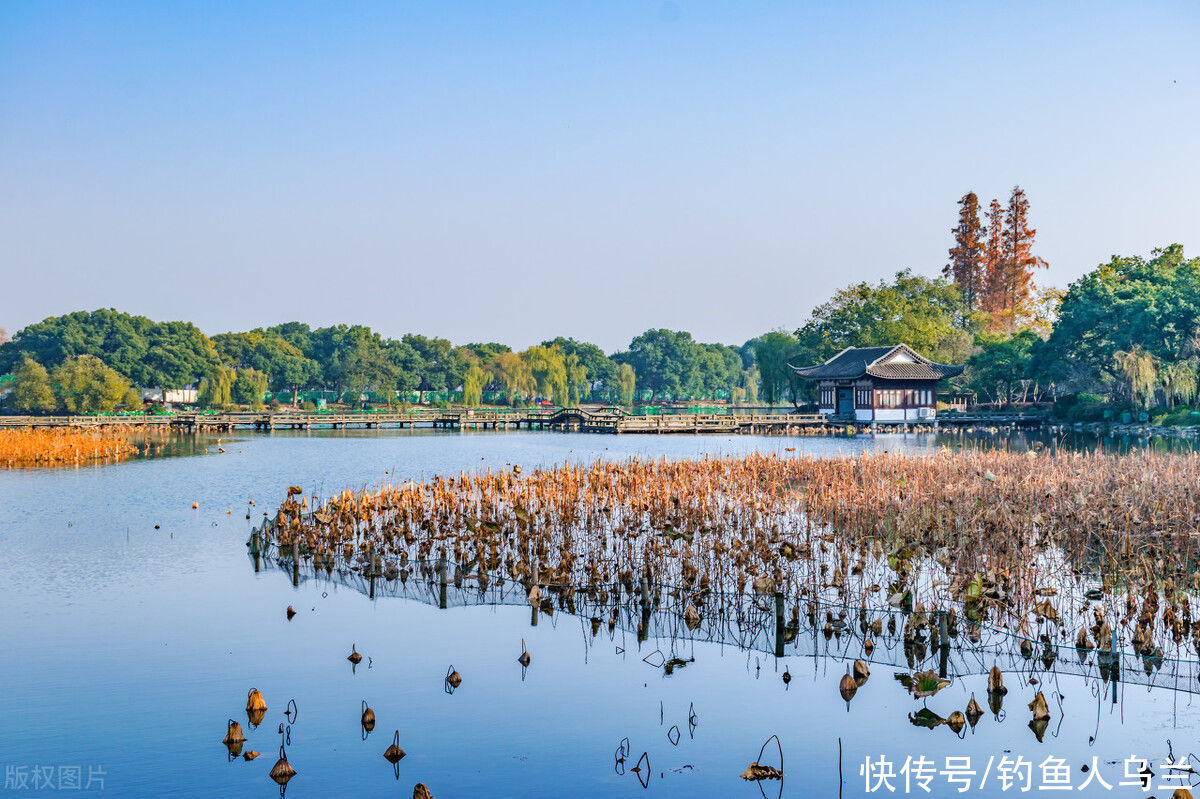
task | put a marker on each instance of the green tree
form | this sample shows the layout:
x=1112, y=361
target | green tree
x=177, y=355
x=473, y=384
x=286, y=366
x=1002, y=366
x=750, y=384
x=1128, y=305
x=405, y=367
x=627, y=383
x=924, y=313
x=1138, y=373
x=601, y=370
x=216, y=388
x=1179, y=382
x=665, y=361
x=249, y=385
x=440, y=369
x=775, y=353
x=84, y=384
x=119, y=339
x=718, y=370
x=512, y=373
x=31, y=388
x=549, y=370
x=577, y=379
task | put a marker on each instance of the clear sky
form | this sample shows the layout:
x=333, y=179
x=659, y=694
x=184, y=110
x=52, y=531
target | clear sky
x=516, y=171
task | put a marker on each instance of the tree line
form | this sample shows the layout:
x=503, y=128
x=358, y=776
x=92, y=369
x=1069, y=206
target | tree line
x=1126, y=334
x=350, y=362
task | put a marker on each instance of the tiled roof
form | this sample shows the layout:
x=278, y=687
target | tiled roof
x=854, y=362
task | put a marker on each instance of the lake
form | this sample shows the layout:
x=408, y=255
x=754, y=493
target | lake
x=134, y=627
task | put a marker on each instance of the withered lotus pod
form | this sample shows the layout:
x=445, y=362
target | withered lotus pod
x=524, y=659
x=250, y=755
x=691, y=617
x=291, y=611
x=847, y=688
x=234, y=734
x=868, y=646
x=861, y=672
x=393, y=754
x=756, y=772
x=282, y=771
x=956, y=721
x=419, y=790
x=974, y=711
x=368, y=717
x=354, y=657
x=255, y=701
x=454, y=678
x=1041, y=711
x=996, y=681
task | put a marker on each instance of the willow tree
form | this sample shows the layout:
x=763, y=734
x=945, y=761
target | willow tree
x=512, y=373
x=577, y=379
x=1136, y=368
x=216, y=388
x=473, y=383
x=1179, y=382
x=549, y=370
x=627, y=382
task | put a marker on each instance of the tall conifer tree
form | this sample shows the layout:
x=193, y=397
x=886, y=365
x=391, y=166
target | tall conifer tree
x=993, y=261
x=966, y=256
x=1019, y=260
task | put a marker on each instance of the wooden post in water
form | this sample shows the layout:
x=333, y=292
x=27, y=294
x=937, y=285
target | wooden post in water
x=256, y=548
x=1115, y=670
x=295, y=562
x=371, y=571
x=779, y=624
x=442, y=583
x=644, y=627
x=943, y=644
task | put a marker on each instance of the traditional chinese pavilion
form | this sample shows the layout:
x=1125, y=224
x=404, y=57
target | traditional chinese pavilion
x=879, y=384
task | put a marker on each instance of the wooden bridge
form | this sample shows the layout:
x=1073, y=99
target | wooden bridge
x=602, y=420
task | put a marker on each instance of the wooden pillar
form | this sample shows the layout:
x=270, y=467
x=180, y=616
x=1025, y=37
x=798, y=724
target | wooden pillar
x=442, y=583
x=779, y=624
x=295, y=562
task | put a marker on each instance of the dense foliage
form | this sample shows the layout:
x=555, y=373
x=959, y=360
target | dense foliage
x=1126, y=333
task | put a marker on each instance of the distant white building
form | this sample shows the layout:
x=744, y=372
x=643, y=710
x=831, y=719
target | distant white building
x=179, y=396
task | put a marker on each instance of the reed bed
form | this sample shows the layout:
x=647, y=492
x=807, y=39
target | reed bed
x=1096, y=550
x=63, y=446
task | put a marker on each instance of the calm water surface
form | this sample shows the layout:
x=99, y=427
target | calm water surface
x=125, y=648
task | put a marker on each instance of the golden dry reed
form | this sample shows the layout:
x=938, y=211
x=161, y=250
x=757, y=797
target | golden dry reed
x=62, y=446
x=1029, y=542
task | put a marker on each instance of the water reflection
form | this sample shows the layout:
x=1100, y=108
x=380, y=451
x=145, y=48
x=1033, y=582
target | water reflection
x=92, y=587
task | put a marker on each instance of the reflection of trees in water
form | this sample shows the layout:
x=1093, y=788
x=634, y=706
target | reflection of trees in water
x=944, y=644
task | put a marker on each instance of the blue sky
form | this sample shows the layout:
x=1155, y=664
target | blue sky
x=517, y=171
